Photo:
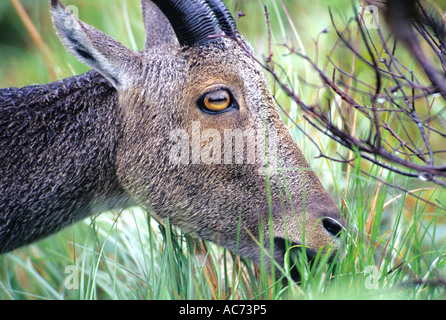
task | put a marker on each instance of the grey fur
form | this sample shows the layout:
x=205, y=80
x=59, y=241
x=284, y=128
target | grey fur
x=102, y=140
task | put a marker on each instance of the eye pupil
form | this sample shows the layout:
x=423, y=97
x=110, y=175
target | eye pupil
x=217, y=100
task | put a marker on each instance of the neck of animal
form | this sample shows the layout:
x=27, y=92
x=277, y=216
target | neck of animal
x=59, y=140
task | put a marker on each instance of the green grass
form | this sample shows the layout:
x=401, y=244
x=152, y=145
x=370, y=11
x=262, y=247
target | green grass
x=395, y=245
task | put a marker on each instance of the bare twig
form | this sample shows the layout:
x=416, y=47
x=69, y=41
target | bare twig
x=407, y=117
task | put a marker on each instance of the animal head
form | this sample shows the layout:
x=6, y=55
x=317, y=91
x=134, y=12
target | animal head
x=200, y=140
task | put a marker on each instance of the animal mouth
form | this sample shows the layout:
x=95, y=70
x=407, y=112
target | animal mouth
x=296, y=251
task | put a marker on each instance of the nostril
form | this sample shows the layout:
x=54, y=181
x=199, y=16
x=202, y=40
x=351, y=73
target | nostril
x=332, y=226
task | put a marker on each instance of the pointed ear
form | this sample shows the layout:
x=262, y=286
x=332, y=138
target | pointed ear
x=158, y=28
x=92, y=47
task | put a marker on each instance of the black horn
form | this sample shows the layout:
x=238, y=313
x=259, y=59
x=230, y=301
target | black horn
x=193, y=21
x=224, y=17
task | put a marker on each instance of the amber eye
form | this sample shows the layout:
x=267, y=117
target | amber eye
x=217, y=101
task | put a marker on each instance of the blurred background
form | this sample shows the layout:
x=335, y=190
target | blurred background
x=37, y=56
x=378, y=210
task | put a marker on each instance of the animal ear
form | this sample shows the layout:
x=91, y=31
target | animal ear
x=92, y=47
x=158, y=28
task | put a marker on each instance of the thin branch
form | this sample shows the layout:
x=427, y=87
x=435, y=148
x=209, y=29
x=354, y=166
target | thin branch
x=396, y=101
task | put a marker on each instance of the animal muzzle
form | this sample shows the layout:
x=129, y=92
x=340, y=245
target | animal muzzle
x=290, y=253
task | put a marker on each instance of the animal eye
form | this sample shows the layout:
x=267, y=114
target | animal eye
x=217, y=101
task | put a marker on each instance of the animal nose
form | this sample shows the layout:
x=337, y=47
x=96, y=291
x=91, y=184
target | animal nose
x=332, y=226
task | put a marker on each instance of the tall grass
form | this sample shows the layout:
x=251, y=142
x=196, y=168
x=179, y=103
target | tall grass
x=395, y=244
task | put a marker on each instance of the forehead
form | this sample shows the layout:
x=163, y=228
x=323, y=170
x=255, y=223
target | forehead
x=225, y=55
x=225, y=60
x=196, y=69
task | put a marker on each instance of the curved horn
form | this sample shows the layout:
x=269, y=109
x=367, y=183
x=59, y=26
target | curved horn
x=192, y=20
x=224, y=17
